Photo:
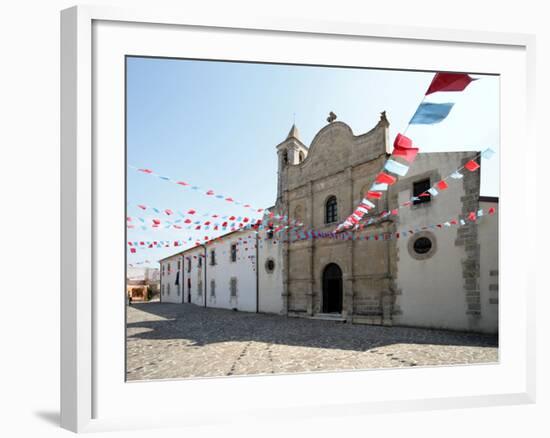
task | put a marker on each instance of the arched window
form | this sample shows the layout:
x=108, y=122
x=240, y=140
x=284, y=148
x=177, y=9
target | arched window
x=301, y=156
x=285, y=158
x=331, y=210
x=298, y=213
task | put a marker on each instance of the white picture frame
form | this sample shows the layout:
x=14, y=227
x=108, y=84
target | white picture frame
x=90, y=399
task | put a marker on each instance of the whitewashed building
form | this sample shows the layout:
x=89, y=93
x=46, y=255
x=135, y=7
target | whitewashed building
x=223, y=274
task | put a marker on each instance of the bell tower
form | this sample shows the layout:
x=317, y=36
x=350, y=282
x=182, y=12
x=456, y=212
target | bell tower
x=291, y=152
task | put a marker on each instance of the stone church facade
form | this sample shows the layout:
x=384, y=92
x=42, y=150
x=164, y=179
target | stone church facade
x=388, y=281
x=430, y=277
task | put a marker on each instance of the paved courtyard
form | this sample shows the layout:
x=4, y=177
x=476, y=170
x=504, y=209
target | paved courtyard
x=166, y=341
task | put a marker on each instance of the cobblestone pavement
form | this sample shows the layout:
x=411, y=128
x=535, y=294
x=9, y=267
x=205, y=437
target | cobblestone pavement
x=166, y=341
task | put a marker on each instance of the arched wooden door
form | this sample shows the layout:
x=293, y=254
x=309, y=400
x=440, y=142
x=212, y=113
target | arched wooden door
x=332, y=289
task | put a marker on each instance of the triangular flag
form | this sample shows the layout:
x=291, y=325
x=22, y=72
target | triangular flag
x=442, y=185
x=449, y=82
x=471, y=165
x=432, y=192
x=395, y=167
x=456, y=175
x=385, y=178
x=379, y=186
x=408, y=154
x=430, y=113
x=374, y=195
x=402, y=142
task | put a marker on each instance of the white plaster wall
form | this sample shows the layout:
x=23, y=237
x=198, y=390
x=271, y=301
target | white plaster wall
x=169, y=279
x=488, y=239
x=271, y=284
x=244, y=269
x=432, y=289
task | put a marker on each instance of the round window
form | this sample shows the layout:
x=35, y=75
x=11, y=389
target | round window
x=270, y=265
x=422, y=245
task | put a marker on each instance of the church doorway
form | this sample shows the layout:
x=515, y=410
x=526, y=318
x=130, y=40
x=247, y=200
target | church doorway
x=332, y=289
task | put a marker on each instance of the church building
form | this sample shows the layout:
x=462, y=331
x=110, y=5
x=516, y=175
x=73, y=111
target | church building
x=437, y=277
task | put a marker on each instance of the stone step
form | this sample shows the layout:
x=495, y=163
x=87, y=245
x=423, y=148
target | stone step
x=329, y=317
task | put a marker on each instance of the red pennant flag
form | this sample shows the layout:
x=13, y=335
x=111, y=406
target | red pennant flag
x=471, y=165
x=245, y=219
x=146, y=170
x=492, y=210
x=216, y=228
x=395, y=212
x=129, y=219
x=191, y=211
x=259, y=210
x=374, y=195
x=229, y=199
x=177, y=226
x=156, y=221
x=454, y=221
x=210, y=192
x=130, y=244
x=198, y=227
x=143, y=207
x=385, y=178
x=442, y=185
x=472, y=216
x=408, y=154
x=402, y=142
x=449, y=82
x=232, y=218
x=187, y=221
x=168, y=211
x=207, y=223
x=133, y=250
x=182, y=183
x=224, y=224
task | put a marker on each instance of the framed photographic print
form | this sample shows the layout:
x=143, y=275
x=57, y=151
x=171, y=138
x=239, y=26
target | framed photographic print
x=264, y=217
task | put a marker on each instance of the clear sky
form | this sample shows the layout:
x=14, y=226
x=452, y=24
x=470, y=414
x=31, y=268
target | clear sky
x=216, y=125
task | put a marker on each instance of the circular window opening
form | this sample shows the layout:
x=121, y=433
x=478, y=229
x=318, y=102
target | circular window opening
x=422, y=245
x=270, y=265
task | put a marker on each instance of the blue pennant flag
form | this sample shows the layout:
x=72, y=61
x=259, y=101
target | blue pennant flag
x=430, y=113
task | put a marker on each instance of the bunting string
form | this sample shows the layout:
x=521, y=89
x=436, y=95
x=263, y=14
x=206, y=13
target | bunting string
x=472, y=216
x=206, y=192
x=403, y=154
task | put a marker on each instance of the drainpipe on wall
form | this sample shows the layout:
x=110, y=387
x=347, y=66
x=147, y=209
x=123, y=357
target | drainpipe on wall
x=257, y=272
x=205, y=278
x=182, y=282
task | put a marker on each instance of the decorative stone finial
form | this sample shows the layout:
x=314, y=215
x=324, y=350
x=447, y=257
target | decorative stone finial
x=331, y=117
x=383, y=118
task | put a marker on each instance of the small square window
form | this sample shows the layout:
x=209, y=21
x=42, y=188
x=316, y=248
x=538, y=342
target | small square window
x=420, y=191
x=233, y=252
